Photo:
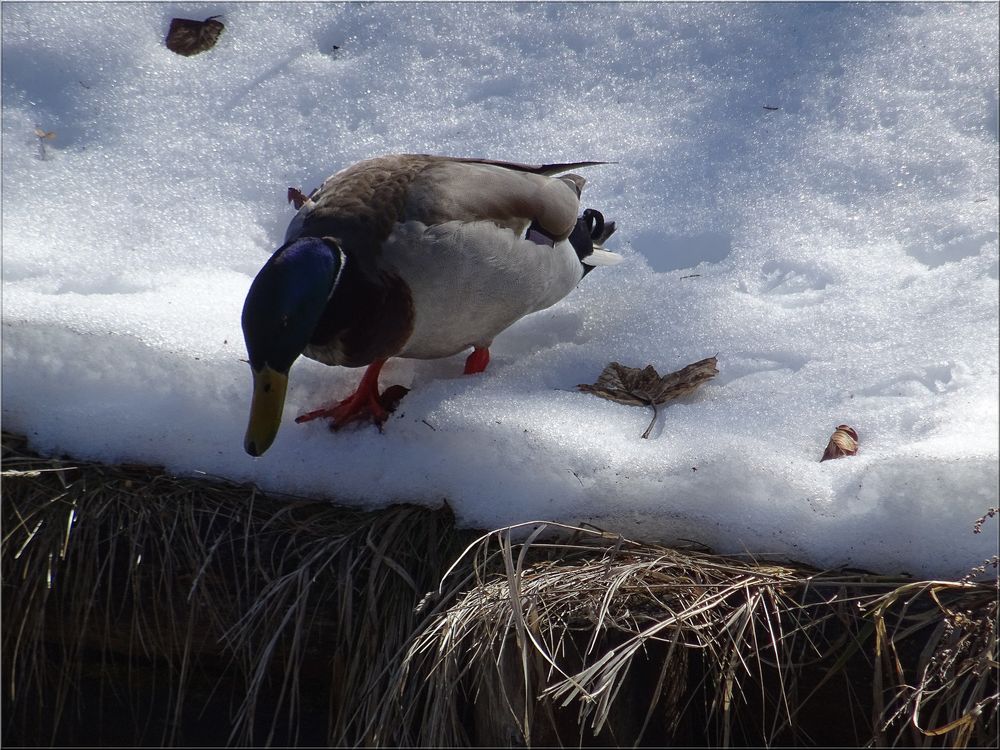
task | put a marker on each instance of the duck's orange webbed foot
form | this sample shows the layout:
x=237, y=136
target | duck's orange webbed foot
x=364, y=403
x=478, y=360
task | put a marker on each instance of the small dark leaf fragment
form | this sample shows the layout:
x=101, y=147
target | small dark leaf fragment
x=645, y=387
x=843, y=442
x=187, y=37
x=391, y=396
x=43, y=135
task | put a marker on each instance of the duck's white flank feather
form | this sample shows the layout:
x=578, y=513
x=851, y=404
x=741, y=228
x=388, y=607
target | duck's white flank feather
x=471, y=280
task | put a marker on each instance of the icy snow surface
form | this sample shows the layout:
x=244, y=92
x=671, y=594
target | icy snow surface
x=838, y=253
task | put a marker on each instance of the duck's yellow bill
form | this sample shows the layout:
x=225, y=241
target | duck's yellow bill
x=269, y=388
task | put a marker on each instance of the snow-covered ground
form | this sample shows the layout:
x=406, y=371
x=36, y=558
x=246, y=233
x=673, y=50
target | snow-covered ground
x=807, y=191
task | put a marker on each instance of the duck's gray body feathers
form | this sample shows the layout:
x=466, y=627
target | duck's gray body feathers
x=494, y=278
x=436, y=255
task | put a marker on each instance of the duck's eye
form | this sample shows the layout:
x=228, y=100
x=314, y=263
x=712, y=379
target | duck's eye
x=595, y=222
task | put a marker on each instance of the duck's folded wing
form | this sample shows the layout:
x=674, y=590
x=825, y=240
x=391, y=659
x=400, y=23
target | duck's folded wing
x=362, y=203
x=548, y=170
x=510, y=195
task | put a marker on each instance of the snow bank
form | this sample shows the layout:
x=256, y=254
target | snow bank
x=807, y=191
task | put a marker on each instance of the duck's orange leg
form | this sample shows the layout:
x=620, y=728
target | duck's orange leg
x=363, y=403
x=478, y=360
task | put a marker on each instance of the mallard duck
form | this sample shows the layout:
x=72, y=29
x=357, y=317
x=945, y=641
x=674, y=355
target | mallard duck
x=412, y=256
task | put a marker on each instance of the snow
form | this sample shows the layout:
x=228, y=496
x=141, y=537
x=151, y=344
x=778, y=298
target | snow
x=839, y=254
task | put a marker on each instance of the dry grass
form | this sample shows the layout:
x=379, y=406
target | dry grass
x=551, y=640
x=142, y=608
x=198, y=603
x=950, y=690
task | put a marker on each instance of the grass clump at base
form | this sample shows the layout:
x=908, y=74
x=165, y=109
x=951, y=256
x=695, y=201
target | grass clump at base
x=141, y=608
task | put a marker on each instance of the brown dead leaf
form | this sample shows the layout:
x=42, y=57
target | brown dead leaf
x=843, y=442
x=44, y=135
x=187, y=37
x=645, y=387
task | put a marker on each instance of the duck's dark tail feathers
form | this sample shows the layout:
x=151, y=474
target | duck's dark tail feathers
x=597, y=227
x=588, y=239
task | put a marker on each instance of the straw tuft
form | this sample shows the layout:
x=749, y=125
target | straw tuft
x=143, y=608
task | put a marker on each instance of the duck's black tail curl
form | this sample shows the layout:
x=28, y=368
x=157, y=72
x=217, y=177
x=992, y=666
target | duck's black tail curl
x=588, y=238
x=598, y=228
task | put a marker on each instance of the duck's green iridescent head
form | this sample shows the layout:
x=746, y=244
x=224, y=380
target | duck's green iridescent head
x=282, y=309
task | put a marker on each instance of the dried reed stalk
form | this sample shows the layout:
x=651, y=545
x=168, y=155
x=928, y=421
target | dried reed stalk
x=149, y=584
x=555, y=623
x=144, y=608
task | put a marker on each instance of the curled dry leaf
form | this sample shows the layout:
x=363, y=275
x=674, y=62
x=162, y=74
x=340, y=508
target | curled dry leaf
x=645, y=387
x=389, y=400
x=843, y=442
x=187, y=37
